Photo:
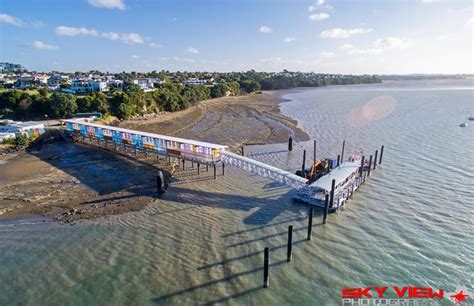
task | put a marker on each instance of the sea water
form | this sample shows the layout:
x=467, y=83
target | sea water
x=202, y=242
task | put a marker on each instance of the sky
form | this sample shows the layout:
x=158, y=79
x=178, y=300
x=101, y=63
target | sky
x=324, y=36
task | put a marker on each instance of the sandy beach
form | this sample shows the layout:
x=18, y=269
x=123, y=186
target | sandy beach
x=69, y=182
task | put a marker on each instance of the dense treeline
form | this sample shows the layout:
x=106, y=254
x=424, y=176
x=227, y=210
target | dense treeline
x=169, y=96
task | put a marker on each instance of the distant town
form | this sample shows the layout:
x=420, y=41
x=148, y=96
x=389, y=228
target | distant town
x=41, y=96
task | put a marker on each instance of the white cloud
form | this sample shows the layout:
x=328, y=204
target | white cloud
x=346, y=46
x=192, y=50
x=135, y=56
x=265, y=29
x=289, y=39
x=7, y=19
x=365, y=51
x=71, y=31
x=154, y=45
x=109, y=4
x=274, y=59
x=343, y=33
x=391, y=42
x=128, y=38
x=326, y=54
x=185, y=60
x=110, y=35
x=42, y=46
x=319, y=17
x=132, y=38
x=313, y=7
x=470, y=22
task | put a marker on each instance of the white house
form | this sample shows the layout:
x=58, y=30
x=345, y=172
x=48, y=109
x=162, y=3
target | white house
x=84, y=86
x=29, y=128
x=196, y=81
x=145, y=84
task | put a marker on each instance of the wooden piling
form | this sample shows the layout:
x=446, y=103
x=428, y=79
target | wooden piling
x=333, y=187
x=326, y=208
x=338, y=160
x=199, y=165
x=184, y=169
x=215, y=175
x=370, y=165
x=342, y=153
x=310, y=223
x=314, y=152
x=362, y=165
x=303, y=166
x=290, y=244
x=223, y=167
x=192, y=164
x=207, y=167
x=243, y=153
x=381, y=154
x=375, y=159
x=290, y=144
x=266, y=264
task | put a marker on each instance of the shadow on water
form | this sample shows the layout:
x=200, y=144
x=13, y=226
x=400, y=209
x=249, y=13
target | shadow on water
x=164, y=298
x=226, y=261
x=267, y=208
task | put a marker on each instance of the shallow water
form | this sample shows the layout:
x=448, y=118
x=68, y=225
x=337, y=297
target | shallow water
x=410, y=224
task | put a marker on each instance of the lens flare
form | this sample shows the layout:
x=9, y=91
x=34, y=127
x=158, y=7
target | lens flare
x=376, y=109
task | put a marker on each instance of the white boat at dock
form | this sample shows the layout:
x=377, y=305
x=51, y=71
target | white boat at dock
x=347, y=180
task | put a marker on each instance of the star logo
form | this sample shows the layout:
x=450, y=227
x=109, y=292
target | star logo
x=459, y=297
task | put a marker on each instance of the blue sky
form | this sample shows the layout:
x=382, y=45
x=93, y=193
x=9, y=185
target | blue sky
x=416, y=36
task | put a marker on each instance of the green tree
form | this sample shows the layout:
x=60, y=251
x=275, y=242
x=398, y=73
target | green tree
x=63, y=105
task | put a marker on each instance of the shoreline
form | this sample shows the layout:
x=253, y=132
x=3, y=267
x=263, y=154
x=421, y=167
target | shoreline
x=87, y=183
x=233, y=121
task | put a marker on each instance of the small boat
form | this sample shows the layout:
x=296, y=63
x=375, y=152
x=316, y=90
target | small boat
x=471, y=118
x=464, y=124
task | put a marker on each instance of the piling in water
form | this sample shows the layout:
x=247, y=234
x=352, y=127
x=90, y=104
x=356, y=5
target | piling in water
x=192, y=164
x=304, y=164
x=381, y=154
x=310, y=223
x=314, y=152
x=266, y=261
x=198, y=168
x=362, y=166
x=370, y=165
x=243, y=153
x=183, y=165
x=215, y=175
x=290, y=243
x=375, y=158
x=333, y=187
x=290, y=144
x=342, y=153
x=223, y=167
x=326, y=208
x=338, y=160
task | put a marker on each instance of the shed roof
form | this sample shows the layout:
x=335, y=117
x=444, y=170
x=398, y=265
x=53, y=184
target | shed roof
x=164, y=137
x=339, y=174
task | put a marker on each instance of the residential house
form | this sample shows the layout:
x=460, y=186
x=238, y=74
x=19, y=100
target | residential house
x=86, y=86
